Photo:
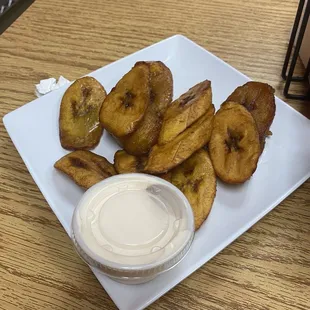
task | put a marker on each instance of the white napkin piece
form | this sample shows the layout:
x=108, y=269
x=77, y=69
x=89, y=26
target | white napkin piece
x=46, y=86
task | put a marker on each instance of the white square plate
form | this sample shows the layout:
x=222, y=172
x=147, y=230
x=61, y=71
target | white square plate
x=283, y=166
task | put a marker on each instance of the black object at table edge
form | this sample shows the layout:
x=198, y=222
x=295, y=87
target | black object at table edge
x=13, y=13
x=289, y=77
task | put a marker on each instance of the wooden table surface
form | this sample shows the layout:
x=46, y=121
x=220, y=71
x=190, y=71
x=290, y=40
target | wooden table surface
x=267, y=268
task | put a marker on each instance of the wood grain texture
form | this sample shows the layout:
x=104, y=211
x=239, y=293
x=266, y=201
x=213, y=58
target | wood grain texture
x=266, y=268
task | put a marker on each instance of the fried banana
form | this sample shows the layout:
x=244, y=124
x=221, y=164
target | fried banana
x=184, y=111
x=166, y=176
x=195, y=177
x=125, y=106
x=163, y=158
x=85, y=168
x=146, y=135
x=79, y=126
x=258, y=98
x=234, y=145
x=126, y=163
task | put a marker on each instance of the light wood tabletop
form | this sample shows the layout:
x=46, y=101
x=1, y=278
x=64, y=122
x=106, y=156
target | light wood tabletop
x=266, y=268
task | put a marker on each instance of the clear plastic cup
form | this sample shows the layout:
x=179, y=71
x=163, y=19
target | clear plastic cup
x=132, y=227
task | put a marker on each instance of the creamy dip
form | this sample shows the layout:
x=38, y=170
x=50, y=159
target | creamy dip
x=132, y=220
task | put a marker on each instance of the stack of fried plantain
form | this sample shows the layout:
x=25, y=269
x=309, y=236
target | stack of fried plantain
x=258, y=99
x=158, y=136
x=134, y=109
x=241, y=126
x=178, y=156
x=186, y=128
x=163, y=138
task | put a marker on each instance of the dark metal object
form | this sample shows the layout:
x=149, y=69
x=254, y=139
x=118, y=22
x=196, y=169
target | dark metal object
x=10, y=10
x=302, y=21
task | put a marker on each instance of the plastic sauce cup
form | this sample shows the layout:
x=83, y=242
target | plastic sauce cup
x=132, y=227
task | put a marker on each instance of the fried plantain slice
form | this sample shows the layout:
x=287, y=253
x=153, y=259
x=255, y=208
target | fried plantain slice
x=195, y=177
x=258, y=99
x=184, y=111
x=126, y=163
x=85, y=168
x=234, y=145
x=146, y=135
x=125, y=106
x=79, y=126
x=163, y=158
x=166, y=176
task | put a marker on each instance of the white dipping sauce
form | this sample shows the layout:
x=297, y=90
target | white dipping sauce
x=133, y=222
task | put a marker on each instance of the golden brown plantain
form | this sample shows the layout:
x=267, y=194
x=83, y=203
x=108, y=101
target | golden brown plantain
x=163, y=158
x=126, y=163
x=184, y=111
x=195, y=177
x=79, y=126
x=166, y=176
x=258, y=99
x=146, y=135
x=85, y=168
x=125, y=106
x=234, y=145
